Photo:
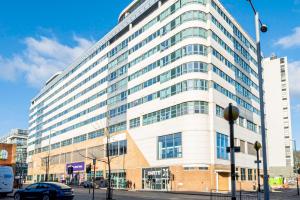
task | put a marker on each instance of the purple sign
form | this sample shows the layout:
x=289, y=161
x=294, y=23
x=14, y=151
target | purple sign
x=78, y=166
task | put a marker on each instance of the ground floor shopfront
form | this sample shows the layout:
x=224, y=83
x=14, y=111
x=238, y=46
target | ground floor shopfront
x=131, y=170
x=167, y=178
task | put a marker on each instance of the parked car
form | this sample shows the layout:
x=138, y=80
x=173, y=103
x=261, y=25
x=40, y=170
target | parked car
x=89, y=184
x=45, y=191
x=6, y=180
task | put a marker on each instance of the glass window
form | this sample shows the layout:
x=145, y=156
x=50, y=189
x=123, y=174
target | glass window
x=219, y=111
x=243, y=174
x=222, y=144
x=250, y=175
x=170, y=146
x=251, y=150
x=117, y=148
x=134, y=122
x=33, y=186
x=122, y=147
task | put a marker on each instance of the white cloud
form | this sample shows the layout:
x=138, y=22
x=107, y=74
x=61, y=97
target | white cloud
x=41, y=58
x=292, y=40
x=294, y=78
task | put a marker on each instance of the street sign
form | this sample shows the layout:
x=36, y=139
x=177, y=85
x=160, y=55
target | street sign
x=236, y=149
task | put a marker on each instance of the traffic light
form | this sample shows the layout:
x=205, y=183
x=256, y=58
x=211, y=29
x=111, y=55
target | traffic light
x=70, y=170
x=88, y=168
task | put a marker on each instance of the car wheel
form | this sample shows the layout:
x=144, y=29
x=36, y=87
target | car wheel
x=46, y=197
x=17, y=196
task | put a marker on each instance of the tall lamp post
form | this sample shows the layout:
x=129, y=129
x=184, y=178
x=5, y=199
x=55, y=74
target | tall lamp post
x=48, y=158
x=257, y=147
x=231, y=113
x=260, y=27
x=296, y=169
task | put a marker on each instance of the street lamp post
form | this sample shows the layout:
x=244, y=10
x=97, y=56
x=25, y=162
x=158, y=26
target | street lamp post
x=231, y=113
x=257, y=147
x=296, y=165
x=259, y=27
x=48, y=159
x=94, y=163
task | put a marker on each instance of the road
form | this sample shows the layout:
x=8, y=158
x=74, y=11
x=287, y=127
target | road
x=83, y=194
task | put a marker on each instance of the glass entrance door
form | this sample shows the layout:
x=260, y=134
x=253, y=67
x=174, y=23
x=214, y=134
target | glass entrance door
x=155, y=178
x=118, y=180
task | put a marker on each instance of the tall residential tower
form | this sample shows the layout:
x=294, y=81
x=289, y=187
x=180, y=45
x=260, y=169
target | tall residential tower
x=278, y=117
x=159, y=82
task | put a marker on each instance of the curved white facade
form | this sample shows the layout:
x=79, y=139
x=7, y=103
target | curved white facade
x=174, y=70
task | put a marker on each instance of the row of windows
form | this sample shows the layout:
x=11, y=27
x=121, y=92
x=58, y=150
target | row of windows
x=192, y=107
x=235, y=29
x=183, y=86
x=243, y=77
x=117, y=148
x=240, y=121
x=220, y=57
x=112, y=129
x=250, y=176
x=173, y=73
x=41, y=105
x=84, y=102
x=180, y=87
x=190, y=32
x=238, y=100
x=236, y=57
x=237, y=45
x=150, y=81
x=183, y=69
x=95, y=85
x=223, y=143
x=229, y=50
x=187, y=50
x=185, y=17
x=73, y=117
x=167, y=92
x=170, y=91
x=239, y=88
x=82, y=73
x=119, y=47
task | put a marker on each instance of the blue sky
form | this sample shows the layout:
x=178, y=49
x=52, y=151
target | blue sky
x=33, y=32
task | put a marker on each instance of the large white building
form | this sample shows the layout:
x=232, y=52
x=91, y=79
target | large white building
x=278, y=117
x=163, y=76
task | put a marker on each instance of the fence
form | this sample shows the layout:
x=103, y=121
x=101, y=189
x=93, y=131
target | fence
x=240, y=195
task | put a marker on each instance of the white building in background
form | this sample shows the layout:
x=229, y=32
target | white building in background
x=163, y=75
x=278, y=117
x=18, y=137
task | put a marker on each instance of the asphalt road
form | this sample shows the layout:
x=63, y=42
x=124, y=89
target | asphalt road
x=83, y=194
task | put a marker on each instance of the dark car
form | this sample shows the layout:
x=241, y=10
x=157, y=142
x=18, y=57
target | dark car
x=89, y=184
x=45, y=191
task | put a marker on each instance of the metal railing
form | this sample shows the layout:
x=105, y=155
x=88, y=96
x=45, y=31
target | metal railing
x=240, y=195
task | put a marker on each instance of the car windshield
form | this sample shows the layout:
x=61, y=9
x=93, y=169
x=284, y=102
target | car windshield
x=33, y=186
x=60, y=185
